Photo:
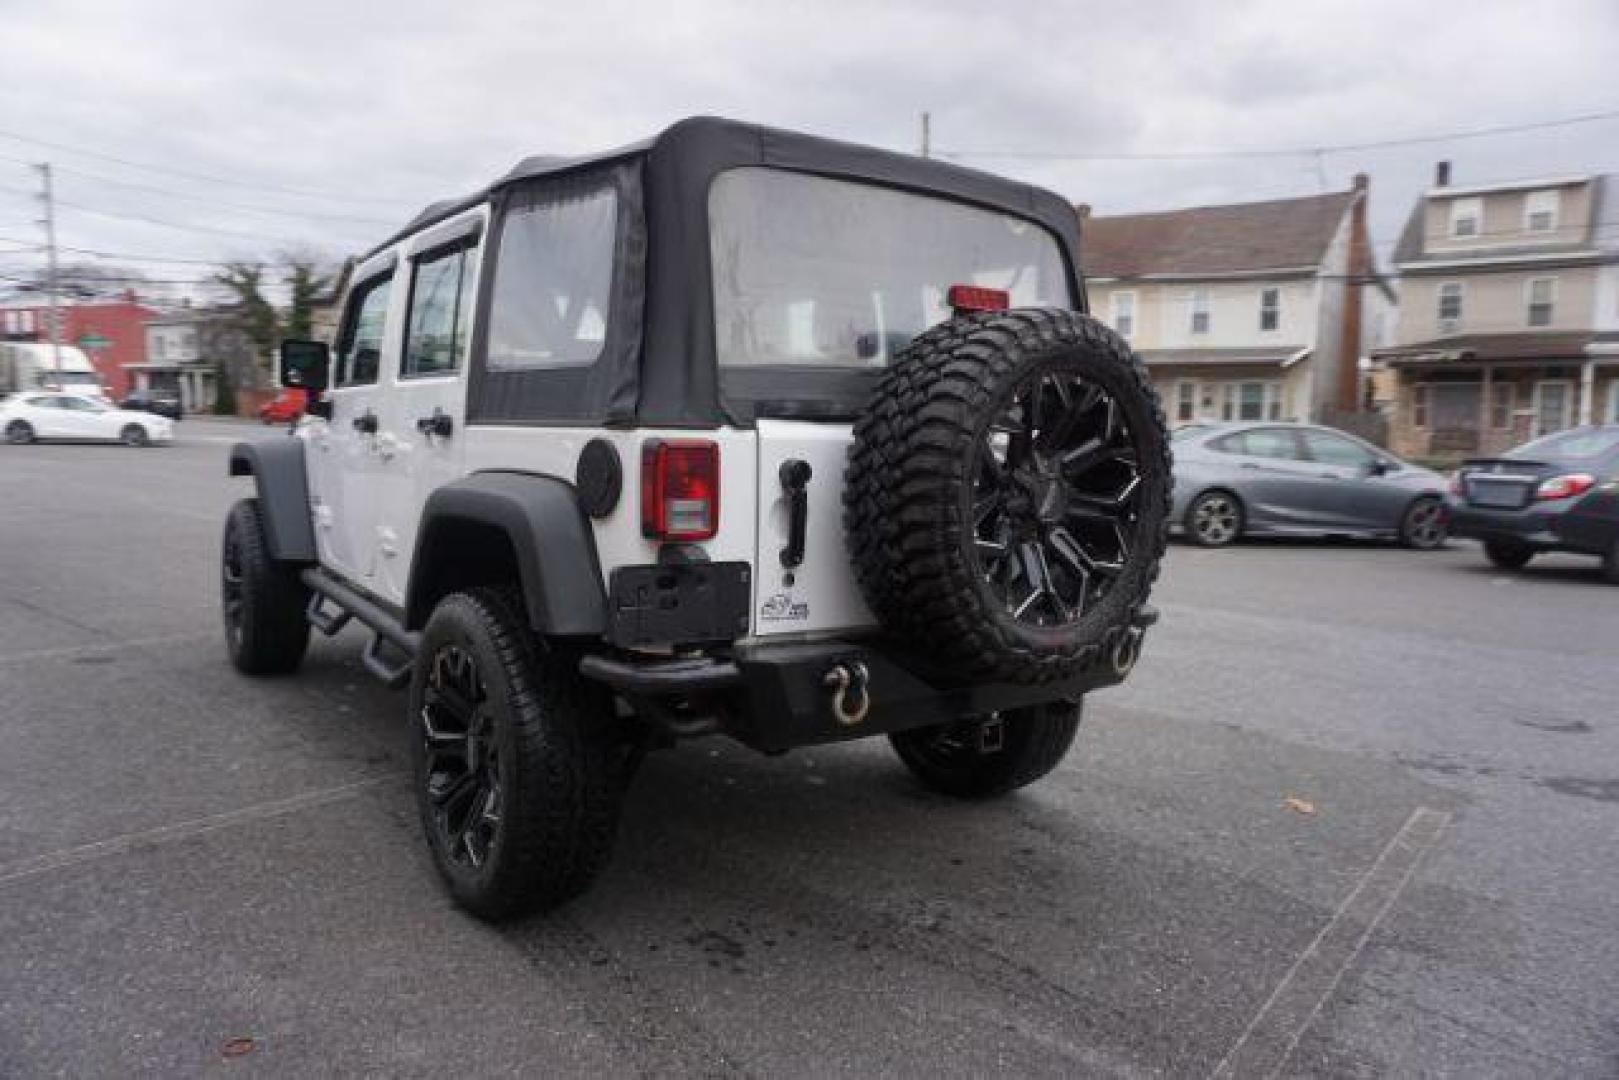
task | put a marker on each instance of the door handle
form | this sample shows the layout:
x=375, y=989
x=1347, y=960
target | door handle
x=795, y=477
x=438, y=426
x=366, y=423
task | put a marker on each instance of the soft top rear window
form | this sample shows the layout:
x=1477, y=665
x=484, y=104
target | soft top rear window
x=810, y=270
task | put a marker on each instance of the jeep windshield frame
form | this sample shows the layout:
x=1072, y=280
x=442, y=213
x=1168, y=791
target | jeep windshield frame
x=659, y=364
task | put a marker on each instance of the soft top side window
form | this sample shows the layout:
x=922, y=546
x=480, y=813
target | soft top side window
x=359, y=345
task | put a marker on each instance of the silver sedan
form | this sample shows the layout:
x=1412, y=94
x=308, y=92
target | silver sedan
x=1275, y=479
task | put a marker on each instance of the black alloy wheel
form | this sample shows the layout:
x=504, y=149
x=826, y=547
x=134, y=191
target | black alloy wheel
x=981, y=756
x=462, y=779
x=1214, y=519
x=1054, y=495
x=134, y=435
x=19, y=433
x=262, y=600
x=1425, y=526
x=1508, y=554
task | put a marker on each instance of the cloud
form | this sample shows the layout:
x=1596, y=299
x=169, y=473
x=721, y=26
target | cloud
x=391, y=106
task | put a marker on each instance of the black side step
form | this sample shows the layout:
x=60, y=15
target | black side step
x=352, y=603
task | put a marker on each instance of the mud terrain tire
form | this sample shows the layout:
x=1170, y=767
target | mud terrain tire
x=1009, y=406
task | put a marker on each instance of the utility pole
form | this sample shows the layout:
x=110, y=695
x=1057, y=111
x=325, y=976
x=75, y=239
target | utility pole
x=927, y=134
x=49, y=221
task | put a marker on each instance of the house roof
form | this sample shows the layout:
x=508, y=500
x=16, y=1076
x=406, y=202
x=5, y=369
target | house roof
x=1524, y=345
x=1282, y=234
x=1603, y=233
x=1283, y=356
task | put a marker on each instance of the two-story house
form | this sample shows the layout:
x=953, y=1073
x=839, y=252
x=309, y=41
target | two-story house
x=1509, y=320
x=177, y=360
x=1254, y=311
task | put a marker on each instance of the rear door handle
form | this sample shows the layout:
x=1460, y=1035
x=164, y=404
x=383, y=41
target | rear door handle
x=439, y=426
x=366, y=422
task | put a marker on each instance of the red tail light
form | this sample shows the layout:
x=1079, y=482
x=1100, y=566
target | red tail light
x=680, y=489
x=1565, y=487
x=964, y=298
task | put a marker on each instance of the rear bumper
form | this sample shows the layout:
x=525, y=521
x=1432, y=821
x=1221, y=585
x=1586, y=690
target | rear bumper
x=1530, y=526
x=777, y=696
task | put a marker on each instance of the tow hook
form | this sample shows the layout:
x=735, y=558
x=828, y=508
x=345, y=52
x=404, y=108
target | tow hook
x=1126, y=651
x=850, y=699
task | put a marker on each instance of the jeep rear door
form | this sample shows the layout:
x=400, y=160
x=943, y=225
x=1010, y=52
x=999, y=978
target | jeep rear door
x=818, y=283
x=420, y=441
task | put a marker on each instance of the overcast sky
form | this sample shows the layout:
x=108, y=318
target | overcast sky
x=384, y=106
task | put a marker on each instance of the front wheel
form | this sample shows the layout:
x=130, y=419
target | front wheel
x=263, y=600
x=19, y=433
x=515, y=758
x=134, y=435
x=1507, y=554
x=1214, y=519
x=983, y=756
x=1424, y=527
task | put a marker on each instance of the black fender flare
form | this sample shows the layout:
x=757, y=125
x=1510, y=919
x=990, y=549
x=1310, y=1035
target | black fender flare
x=277, y=468
x=558, y=569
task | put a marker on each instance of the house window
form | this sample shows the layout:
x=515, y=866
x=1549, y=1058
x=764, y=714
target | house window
x=1554, y=404
x=1199, y=307
x=1450, y=307
x=1466, y=216
x=1270, y=308
x=1542, y=294
x=1185, y=400
x=1124, y=313
x=1540, y=209
x=1419, y=406
x=157, y=346
x=1252, y=401
x=1501, y=405
x=1613, y=401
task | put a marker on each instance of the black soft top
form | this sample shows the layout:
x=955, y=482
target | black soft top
x=659, y=363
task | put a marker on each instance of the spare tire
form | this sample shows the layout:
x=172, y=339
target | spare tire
x=1007, y=496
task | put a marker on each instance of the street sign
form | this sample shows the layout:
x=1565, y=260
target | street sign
x=94, y=341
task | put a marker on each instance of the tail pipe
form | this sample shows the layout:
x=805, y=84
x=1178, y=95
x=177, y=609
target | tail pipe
x=1126, y=650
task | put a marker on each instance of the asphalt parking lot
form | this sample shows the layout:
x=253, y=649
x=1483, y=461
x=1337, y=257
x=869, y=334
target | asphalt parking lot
x=1355, y=814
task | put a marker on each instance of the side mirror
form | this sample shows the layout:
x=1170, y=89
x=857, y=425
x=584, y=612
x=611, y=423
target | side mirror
x=1380, y=467
x=306, y=365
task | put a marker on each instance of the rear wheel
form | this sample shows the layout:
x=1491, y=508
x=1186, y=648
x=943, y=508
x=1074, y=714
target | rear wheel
x=1214, y=519
x=1508, y=554
x=517, y=769
x=983, y=756
x=263, y=600
x=19, y=432
x=1423, y=526
x=134, y=435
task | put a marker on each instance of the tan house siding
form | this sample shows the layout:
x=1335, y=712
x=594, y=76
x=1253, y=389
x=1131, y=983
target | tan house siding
x=1495, y=301
x=1503, y=220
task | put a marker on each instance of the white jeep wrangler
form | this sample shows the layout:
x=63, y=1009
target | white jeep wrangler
x=732, y=431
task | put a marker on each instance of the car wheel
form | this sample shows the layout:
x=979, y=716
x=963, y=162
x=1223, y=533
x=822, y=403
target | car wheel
x=19, y=433
x=984, y=756
x=1424, y=526
x=263, y=600
x=1610, y=563
x=1507, y=554
x=517, y=771
x=1214, y=519
x=134, y=435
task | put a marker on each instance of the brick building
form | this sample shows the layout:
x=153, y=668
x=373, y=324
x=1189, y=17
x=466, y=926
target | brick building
x=111, y=332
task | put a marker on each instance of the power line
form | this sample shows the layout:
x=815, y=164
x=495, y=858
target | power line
x=94, y=253
x=1290, y=151
x=303, y=215
x=304, y=193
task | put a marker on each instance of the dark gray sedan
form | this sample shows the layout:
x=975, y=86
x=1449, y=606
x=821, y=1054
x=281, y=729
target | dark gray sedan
x=1274, y=479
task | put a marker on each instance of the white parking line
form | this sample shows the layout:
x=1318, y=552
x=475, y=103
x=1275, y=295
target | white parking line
x=1272, y=1035
x=23, y=869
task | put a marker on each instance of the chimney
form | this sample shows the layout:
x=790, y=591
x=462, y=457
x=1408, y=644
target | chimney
x=1362, y=182
x=1441, y=174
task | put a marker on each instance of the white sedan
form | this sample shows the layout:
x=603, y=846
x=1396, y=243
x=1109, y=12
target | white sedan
x=48, y=415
